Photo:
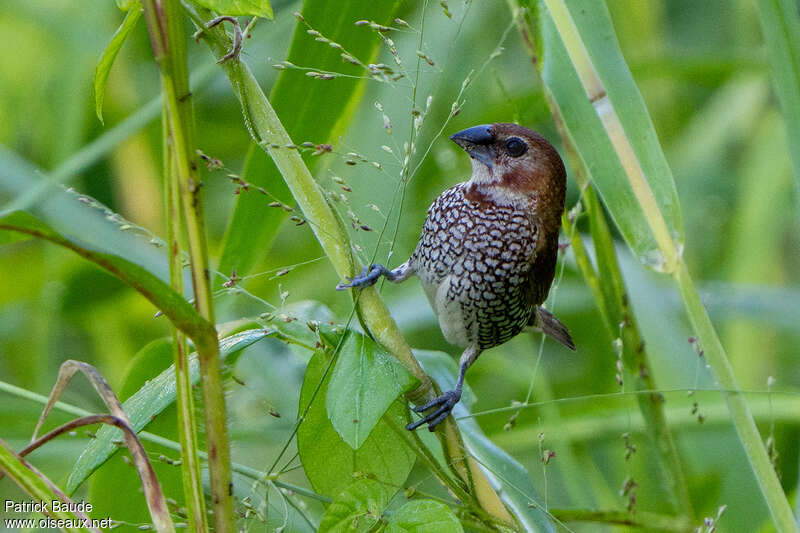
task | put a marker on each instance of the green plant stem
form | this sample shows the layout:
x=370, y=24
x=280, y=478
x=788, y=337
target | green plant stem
x=268, y=132
x=165, y=23
x=424, y=454
x=737, y=405
x=645, y=520
x=184, y=399
x=36, y=485
x=609, y=292
x=780, y=24
x=413, y=441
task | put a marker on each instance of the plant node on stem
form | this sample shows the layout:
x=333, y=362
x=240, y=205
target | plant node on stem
x=169, y=47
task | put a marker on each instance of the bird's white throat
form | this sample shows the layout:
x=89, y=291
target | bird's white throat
x=486, y=182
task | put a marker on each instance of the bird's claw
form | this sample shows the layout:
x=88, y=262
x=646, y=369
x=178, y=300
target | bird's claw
x=445, y=402
x=237, y=36
x=369, y=275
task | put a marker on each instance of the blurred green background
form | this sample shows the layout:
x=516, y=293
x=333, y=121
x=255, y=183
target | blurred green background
x=702, y=69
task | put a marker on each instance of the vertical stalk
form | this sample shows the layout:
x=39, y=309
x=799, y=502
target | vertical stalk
x=187, y=426
x=608, y=289
x=780, y=25
x=621, y=323
x=169, y=47
x=740, y=413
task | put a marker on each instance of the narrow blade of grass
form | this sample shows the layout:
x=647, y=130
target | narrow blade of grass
x=144, y=405
x=780, y=24
x=585, y=73
x=78, y=217
x=581, y=36
x=103, y=68
x=173, y=305
x=36, y=485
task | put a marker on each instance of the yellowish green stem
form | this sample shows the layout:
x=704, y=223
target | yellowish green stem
x=165, y=23
x=737, y=405
x=596, y=93
x=187, y=426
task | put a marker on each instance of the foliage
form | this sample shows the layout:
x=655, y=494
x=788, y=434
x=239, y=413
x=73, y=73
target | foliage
x=663, y=419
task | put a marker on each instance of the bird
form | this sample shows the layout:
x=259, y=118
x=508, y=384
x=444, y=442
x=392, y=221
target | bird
x=486, y=257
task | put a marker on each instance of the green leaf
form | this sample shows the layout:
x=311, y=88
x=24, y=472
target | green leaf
x=517, y=491
x=145, y=365
x=780, y=21
x=173, y=305
x=107, y=59
x=310, y=110
x=364, y=383
x=329, y=462
x=8, y=237
x=319, y=112
x=239, y=8
x=76, y=217
x=423, y=516
x=644, y=205
x=357, y=508
x=33, y=483
x=155, y=396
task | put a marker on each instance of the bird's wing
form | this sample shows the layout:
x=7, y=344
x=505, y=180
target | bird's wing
x=543, y=265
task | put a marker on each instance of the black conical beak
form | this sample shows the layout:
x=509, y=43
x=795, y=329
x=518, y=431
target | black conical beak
x=478, y=142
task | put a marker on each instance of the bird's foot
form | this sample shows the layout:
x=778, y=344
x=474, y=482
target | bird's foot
x=445, y=404
x=237, y=36
x=369, y=275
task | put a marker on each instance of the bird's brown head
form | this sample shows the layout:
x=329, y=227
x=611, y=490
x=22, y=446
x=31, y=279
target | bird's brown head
x=514, y=165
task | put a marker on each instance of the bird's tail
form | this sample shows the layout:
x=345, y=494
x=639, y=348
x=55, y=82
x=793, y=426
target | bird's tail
x=547, y=323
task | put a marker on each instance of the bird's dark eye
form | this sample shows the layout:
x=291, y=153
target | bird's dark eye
x=516, y=147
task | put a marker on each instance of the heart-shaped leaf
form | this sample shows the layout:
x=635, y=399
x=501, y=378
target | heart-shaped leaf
x=365, y=382
x=357, y=508
x=330, y=462
x=423, y=516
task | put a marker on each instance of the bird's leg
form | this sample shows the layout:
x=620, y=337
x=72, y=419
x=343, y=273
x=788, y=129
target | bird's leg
x=370, y=274
x=448, y=399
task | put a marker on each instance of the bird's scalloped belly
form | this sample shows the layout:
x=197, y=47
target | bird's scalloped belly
x=478, y=308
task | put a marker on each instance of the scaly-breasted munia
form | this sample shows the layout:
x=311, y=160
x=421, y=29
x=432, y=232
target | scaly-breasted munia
x=487, y=254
